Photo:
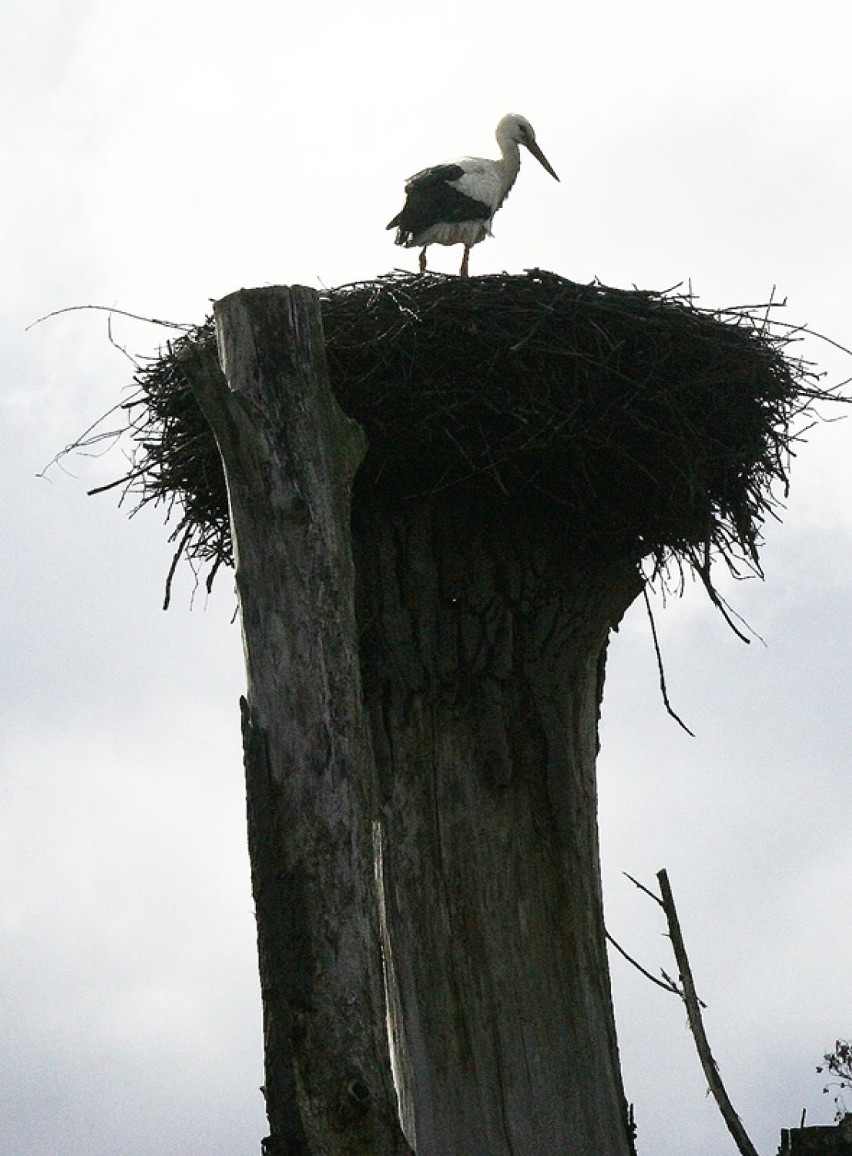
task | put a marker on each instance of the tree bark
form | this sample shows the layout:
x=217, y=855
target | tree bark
x=290, y=455
x=483, y=643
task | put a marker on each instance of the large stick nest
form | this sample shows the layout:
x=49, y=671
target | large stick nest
x=651, y=427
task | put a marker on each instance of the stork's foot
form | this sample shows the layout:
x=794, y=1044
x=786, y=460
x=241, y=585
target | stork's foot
x=464, y=270
x=423, y=260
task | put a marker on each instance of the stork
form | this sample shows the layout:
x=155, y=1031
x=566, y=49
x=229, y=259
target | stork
x=455, y=203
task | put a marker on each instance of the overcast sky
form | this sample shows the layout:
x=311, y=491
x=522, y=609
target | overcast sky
x=159, y=155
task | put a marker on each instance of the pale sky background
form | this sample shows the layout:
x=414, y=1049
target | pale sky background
x=159, y=155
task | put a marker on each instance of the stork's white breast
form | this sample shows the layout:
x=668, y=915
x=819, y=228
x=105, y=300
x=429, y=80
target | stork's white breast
x=481, y=181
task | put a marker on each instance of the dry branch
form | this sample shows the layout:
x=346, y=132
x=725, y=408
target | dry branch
x=696, y=1023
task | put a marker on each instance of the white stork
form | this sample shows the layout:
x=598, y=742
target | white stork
x=455, y=203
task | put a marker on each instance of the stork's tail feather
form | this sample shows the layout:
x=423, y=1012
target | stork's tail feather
x=403, y=237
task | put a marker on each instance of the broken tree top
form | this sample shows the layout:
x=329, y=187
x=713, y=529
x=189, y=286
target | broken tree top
x=646, y=425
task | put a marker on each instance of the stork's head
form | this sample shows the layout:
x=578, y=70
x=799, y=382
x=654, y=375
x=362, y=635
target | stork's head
x=517, y=128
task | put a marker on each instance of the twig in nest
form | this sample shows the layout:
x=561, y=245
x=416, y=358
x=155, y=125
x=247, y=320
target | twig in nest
x=662, y=673
x=111, y=309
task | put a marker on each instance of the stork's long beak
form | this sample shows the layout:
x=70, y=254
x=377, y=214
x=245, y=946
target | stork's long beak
x=542, y=159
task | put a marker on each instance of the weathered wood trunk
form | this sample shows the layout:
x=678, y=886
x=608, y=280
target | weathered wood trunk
x=483, y=656
x=290, y=455
x=480, y=643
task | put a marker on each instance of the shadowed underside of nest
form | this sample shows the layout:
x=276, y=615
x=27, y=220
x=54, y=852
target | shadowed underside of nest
x=646, y=426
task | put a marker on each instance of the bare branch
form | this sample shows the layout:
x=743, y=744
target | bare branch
x=696, y=1024
x=669, y=985
x=642, y=887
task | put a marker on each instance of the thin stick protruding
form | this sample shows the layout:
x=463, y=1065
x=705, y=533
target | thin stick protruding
x=696, y=1024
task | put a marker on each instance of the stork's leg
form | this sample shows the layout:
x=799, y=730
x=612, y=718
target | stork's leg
x=423, y=259
x=465, y=258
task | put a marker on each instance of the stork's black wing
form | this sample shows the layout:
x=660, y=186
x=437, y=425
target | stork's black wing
x=431, y=199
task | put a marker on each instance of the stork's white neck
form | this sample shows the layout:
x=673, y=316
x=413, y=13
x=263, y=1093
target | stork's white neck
x=510, y=159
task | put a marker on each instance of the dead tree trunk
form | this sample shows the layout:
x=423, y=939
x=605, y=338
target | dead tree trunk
x=483, y=656
x=480, y=639
x=290, y=455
